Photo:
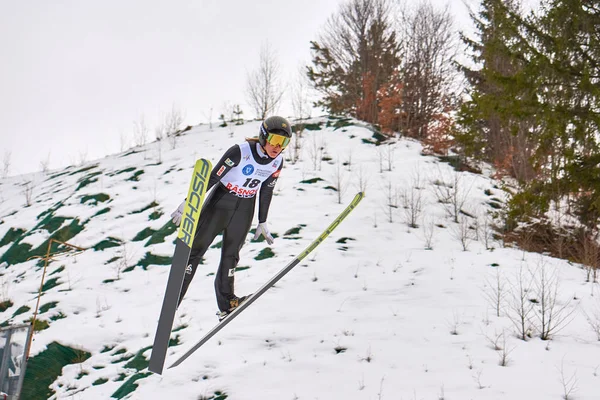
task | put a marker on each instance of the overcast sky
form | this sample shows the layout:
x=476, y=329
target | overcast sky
x=75, y=75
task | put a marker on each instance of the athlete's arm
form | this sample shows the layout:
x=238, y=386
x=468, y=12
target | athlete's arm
x=230, y=159
x=266, y=194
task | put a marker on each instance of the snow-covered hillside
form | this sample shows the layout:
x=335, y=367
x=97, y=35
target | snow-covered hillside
x=381, y=310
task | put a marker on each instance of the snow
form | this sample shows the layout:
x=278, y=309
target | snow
x=377, y=317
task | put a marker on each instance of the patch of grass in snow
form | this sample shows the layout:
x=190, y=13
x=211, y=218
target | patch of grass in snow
x=312, y=180
x=94, y=199
x=103, y=211
x=107, y=244
x=129, y=386
x=264, y=254
x=139, y=362
x=149, y=206
x=49, y=284
x=84, y=169
x=11, y=236
x=46, y=307
x=21, y=310
x=57, y=270
x=153, y=259
x=99, y=381
x=20, y=252
x=155, y=215
x=160, y=235
x=135, y=177
x=5, y=305
x=45, y=367
x=58, y=316
x=88, y=180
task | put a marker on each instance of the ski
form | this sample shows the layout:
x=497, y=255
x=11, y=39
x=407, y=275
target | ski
x=359, y=196
x=183, y=246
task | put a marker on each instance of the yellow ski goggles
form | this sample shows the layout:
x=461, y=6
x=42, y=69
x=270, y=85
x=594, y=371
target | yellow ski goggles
x=278, y=140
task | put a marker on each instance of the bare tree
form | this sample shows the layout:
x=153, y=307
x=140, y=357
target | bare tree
x=140, y=132
x=428, y=227
x=6, y=163
x=295, y=152
x=428, y=76
x=389, y=151
x=412, y=201
x=263, y=87
x=569, y=385
x=495, y=293
x=340, y=181
x=315, y=150
x=45, y=164
x=593, y=319
x=462, y=232
x=362, y=181
x=451, y=193
x=520, y=309
x=172, y=125
x=391, y=201
x=28, y=192
x=551, y=315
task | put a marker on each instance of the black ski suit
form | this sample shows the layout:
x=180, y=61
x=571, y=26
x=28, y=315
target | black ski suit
x=224, y=211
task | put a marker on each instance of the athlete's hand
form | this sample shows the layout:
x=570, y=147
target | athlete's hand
x=262, y=229
x=176, y=215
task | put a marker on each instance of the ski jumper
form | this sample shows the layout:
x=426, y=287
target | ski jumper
x=242, y=172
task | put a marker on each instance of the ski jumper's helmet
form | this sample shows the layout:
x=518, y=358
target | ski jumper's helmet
x=274, y=125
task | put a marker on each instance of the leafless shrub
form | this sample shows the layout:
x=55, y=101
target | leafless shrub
x=361, y=180
x=315, y=151
x=477, y=378
x=428, y=227
x=45, y=164
x=485, y=230
x=495, y=293
x=140, y=132
x=451, y=192
x=262, y=87
x=462, y=232
x=6, y=163
x=552, y=317
x=593, y=319
x=569, y=384
x=388, y=150
x=295, y=148
x=495, y=340
x=520, y=309
x=340, y=181
x=28, y=186
x=412, y=202
x=391, y=201
x=504, y=352
x=455, y=323
x=172, y=125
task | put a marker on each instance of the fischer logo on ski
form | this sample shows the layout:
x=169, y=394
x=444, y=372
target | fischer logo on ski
x=183, y=244
x=191, y=212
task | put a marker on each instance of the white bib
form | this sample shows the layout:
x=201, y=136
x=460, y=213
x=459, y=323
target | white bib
x=244, y=179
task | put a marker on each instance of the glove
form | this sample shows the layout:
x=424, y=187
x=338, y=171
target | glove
x=262, y=229
x=176, y=215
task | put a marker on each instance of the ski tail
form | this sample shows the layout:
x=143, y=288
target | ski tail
x=183, y=245
x=359, y=196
